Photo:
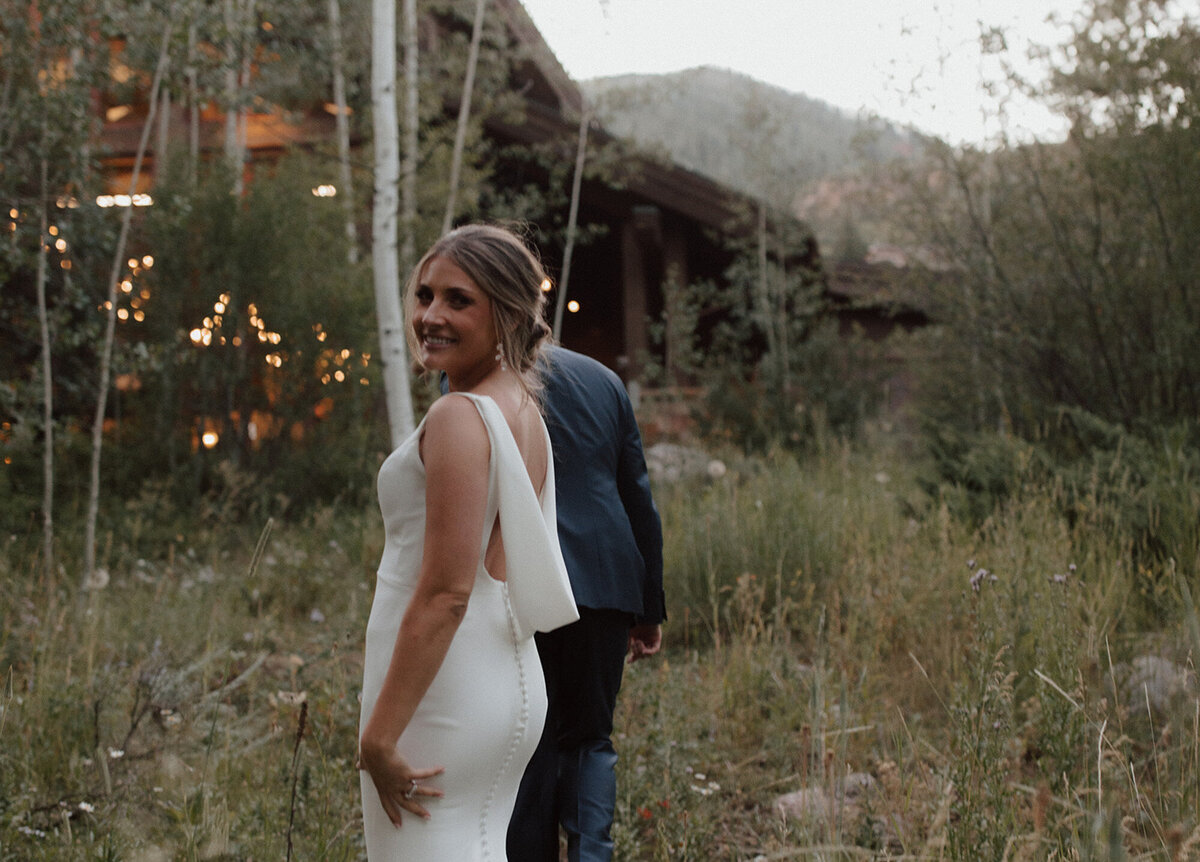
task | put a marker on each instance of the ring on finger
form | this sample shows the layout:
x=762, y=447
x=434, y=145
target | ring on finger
x=408, y=794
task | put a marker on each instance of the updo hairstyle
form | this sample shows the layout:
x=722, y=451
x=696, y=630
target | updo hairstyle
x=511, y=275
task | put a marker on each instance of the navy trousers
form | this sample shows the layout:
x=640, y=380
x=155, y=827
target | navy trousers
x=571, y=778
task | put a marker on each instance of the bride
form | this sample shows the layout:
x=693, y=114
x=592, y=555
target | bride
x=453, y=697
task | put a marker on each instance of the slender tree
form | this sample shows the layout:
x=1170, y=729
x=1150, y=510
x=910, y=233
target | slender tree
x=560, y=303
x=345, y=178
x=93, y=511
x=412, y=150
x=47, y=382
x=464, y=115
x=392, y=351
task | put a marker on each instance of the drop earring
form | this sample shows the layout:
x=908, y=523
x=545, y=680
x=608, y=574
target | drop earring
x=500, y=356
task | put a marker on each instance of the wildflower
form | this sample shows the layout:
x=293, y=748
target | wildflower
x=971, y=563
x=316, y=616
x=116, y=753
x=31, y=832
x=1058, y=579
x=86, y=807
x=97, y=580
x=645, y=812
x=1071, y=568
x=978, y=578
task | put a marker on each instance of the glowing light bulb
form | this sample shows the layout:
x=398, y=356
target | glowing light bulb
x=545, y=285
x=572, y=306
x=210, y=439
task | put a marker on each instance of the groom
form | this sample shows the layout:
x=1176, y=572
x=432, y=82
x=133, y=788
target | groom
x=611, y=539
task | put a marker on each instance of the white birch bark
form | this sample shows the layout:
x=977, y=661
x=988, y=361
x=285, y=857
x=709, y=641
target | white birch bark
x=464, y=115
x=89, y=544
x=572, y=218
x=47, y=394
x=393, y=355
x=345, y=179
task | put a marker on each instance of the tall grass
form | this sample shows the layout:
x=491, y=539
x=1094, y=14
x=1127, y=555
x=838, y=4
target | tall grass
x=831, y=637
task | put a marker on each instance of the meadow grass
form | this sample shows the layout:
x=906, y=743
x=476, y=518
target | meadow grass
x=828, y=618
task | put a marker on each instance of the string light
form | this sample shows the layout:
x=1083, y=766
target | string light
x=138, y=200
x=572, y=306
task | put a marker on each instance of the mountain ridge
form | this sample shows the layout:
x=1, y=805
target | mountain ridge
x=749, y=134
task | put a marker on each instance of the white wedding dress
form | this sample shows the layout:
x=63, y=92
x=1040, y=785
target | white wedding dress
x=483, y=714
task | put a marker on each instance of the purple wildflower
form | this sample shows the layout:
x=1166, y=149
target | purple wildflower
x=978, y=578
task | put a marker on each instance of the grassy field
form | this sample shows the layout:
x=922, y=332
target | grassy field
x=913, y=685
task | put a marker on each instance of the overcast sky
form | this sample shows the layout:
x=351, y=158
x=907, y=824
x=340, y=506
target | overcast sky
x=913, y=61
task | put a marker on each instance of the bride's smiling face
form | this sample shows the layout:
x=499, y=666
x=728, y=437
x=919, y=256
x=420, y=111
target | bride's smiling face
x=452, y=319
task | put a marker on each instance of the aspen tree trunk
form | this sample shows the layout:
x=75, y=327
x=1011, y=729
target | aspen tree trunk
x=89, y=544
x=47, y=392
x=412, y=121
x=572, y=218
x=392, y=352
x=345, y=180
x=464, y=115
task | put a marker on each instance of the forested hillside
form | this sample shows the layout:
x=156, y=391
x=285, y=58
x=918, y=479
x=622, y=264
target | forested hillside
x=741, y=131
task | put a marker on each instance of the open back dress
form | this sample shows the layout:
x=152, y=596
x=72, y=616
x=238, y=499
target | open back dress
x=483, y=714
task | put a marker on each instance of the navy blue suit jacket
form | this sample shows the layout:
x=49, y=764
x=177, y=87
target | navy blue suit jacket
x=608, y=525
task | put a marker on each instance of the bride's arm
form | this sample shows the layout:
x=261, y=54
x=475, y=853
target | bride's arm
x=455, y=451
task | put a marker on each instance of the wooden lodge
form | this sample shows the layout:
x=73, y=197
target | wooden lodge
x=658, y=219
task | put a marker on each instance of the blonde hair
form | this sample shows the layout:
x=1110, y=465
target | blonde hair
x=510, y=273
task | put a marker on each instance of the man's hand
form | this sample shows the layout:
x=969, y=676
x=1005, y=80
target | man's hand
x=644, y=641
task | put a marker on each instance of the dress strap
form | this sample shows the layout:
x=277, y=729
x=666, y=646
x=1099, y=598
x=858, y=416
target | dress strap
x=538, y=587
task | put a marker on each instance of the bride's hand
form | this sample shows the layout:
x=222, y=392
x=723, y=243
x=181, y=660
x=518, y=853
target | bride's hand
x=398, y=784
